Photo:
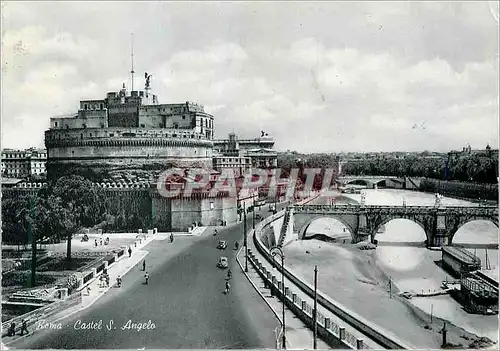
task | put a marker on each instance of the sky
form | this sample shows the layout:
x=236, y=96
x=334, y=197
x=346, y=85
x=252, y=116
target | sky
x=317, y=76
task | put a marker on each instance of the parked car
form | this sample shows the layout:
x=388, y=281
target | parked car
x=222, y=245
x=222, y=263
x=258, y=216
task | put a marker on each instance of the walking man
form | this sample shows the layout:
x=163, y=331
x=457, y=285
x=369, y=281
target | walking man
x=129, y=251
x=146, y=276
x=12, y=329
x=24, y=327
x=144, y=265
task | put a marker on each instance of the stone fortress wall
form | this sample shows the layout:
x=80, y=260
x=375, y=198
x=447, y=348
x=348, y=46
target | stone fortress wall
x=139, y=205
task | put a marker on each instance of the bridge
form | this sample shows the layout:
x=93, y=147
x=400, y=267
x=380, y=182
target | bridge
x=371, y=181
x=363, y=221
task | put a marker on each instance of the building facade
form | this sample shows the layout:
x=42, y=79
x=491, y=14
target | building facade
x=130, y=130
x=23, y=163
x=233, y=152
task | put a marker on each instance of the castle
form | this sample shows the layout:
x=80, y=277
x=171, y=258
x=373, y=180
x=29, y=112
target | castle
x=127, y=139
x=129, y=131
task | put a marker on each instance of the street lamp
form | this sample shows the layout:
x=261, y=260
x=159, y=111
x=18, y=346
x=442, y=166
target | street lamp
x=279, y=252
x=253, y=214
x=245, y=236
x=32, y=237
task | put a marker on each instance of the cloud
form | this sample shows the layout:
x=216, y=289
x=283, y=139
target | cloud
x=324, y=77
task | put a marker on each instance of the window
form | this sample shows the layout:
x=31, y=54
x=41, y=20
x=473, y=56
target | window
x=183, y=117
x=101, y=106
x=85, y=107
x=56, y=124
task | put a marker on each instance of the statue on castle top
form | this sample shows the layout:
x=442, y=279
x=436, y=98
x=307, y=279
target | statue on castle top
x=148, y=78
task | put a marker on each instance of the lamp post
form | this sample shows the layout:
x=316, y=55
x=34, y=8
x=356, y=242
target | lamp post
x=278, y=251
x=32, y=237
x=253, y=213
x=245, y=236
x=315, y=332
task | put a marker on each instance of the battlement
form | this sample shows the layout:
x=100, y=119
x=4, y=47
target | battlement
x=122, y=136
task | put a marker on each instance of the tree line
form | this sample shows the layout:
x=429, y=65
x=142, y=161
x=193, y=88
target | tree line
x=476, y=168
x=55, y=212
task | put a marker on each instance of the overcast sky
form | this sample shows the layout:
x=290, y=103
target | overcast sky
x=317, y=76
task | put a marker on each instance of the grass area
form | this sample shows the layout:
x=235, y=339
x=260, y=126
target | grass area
x=21, y=253
x=60, y=264
x=21, y=279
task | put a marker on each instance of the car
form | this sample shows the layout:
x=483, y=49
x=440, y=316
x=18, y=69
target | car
x=407, y=295
x=258, y=216
x=222, y=263
x=222, y=245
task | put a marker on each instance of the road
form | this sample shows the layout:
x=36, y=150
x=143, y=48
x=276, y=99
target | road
x=184, y=299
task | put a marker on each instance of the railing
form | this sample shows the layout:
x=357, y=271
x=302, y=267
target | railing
x=284, y=227
x=43, y=312
x=375, y=333
x=326, y=328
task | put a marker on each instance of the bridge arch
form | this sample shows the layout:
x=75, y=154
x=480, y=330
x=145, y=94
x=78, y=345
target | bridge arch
x=305, y=226
x=386, y=220
x=465, y=221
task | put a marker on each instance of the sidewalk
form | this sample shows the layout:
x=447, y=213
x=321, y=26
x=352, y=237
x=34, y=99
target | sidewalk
x=304, y=297
x=120, y=267
x=298, y=335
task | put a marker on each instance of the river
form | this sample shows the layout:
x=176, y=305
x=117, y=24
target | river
x=359, y=279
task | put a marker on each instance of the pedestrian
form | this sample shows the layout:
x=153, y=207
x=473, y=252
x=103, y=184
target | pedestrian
x=101, y=241
x=146, y=276
x=95, y=240
x=144, y=265
x=24, y=327
x=129, y=251
x=88, y=290
x=12, y=329
x=107, y=280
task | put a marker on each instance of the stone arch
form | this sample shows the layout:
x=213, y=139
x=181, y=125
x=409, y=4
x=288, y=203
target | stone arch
x=303, y=229
x=465, y=220
x=386, y=220
x=367, y=183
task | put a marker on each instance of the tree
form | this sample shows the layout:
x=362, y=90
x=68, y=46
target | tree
x=15, y=217
x=73, y=202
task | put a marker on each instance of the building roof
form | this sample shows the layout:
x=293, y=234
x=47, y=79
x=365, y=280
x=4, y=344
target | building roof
x=262, y=150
